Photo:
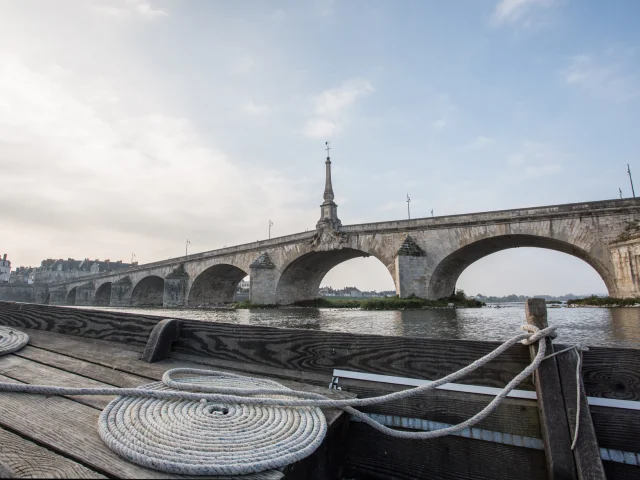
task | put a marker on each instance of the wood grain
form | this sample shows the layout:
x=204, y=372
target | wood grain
x=515, y=416
x=321, y=352
x=85, y=369
x=84, y=351
x=586, y=452
x=27, y=371
x=124, y=328
x=25, y=459
x=553, y=417
x=611, y=372
x=616, y=428
x=371, y=454
x=68, y=428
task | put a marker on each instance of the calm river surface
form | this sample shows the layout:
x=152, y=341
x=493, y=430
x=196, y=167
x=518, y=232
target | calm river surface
x=614, y=327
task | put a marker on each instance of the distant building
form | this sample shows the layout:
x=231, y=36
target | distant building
x=52, y=271
x=22, y=275
x=352, y=292
x=5, y=269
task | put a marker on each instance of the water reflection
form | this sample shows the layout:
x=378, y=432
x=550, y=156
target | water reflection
x=619, y=327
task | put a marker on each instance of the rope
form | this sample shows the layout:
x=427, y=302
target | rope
x=578, y=348
x=209, y=438
x=11, y=340
x=165, y=425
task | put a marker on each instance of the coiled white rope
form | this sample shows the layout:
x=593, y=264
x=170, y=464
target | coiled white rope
x=11, y=340
x=210, y=438
x=147, y=425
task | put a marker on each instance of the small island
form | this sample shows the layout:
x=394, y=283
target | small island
x=457, y=300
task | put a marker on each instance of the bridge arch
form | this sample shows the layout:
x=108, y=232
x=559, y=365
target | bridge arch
x=71, y=296
x=148, y=292
x=301, y=277
x=102, y=296
x=443, y=280
x=215, y=285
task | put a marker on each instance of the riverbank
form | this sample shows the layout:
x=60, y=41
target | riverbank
x=388, y=303
x=608, y=302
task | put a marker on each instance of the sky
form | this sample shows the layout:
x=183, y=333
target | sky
x=130, y=126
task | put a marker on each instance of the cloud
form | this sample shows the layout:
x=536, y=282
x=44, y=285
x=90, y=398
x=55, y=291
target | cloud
x=525, y=13
x=87, y=175
x=439, y=124
x=536, y=160
x=479, y=143
x=320, y=128
x=612, y=76
x=255, y=108
x=128, y=9
x=331, y=107
x=243, y=64
x=334, y=100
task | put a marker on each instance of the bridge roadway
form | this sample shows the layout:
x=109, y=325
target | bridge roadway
x=424, y=256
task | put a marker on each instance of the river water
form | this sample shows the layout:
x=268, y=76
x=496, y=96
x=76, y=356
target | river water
x=611, y=327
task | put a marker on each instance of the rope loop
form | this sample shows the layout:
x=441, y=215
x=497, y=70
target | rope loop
x=11, y=340
x=537, y=334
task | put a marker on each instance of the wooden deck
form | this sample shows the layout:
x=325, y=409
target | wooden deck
x=57, y=437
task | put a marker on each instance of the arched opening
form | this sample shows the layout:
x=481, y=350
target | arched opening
x=71, y=296
x=215, y=285
x=148, y=292
x=445, y=276
x=528, y=272
x=103, y=295
x=367, y=276
x=301, y=279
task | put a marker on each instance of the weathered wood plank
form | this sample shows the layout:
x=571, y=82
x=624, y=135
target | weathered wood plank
x=106, y=356
x=124, y=328
x=586, y=452
x=321, y=352
x=371, y=454
x=68, y=428
x=611, y=372
x=621, y=471
x=514, y=415
x=25, y=459
x=553, y=417
x=85, y=369
x=27, y=371
x=616, y=428
x=607, y=372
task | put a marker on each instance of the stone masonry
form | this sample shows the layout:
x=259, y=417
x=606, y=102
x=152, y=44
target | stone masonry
x=424, y=256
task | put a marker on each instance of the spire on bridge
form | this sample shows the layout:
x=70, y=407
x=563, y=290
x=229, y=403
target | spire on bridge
x=328, y=209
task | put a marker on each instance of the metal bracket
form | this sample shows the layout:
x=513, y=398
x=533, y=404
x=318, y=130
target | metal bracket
x=334, y=384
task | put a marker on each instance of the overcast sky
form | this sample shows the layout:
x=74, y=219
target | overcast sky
x=132, y=125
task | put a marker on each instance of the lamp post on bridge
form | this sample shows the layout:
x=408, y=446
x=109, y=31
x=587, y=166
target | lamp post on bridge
x=270, y=224
x=186, y=248
x=408, y=209
x=633, y=192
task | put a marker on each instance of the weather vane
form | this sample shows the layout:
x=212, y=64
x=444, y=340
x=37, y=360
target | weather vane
x=328, y=148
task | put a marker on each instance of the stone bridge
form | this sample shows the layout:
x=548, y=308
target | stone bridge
x=424, y=256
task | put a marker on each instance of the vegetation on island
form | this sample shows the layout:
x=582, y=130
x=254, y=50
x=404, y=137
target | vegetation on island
x=513, y=298
x=459, y=299
x=247, y=304
x=594, y=301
